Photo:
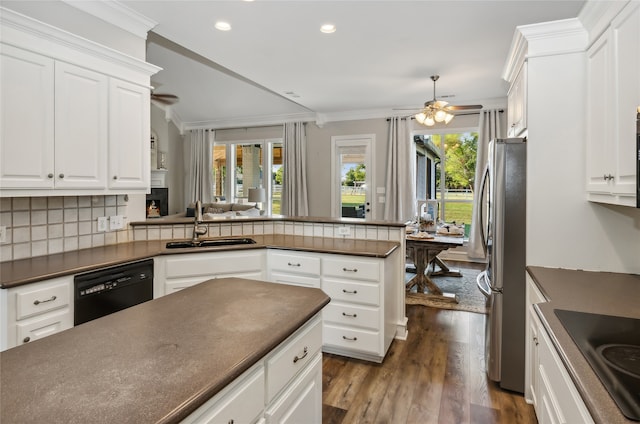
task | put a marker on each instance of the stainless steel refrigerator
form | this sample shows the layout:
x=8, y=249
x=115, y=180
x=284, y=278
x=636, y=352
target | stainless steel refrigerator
x=502, y=212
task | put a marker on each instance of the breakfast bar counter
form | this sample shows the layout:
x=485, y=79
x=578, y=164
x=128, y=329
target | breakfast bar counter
x=156, y=362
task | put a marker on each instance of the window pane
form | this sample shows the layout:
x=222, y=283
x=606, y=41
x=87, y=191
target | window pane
x=276, y=178
x=219, y=171
x=248, y=169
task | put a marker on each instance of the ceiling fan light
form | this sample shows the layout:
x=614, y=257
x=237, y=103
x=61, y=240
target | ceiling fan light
x=429, y=121
x=448, y=118
x=420, y=117
x=440, y=115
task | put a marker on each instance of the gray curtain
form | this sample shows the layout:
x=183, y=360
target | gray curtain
x=491, y=125
x=400, y=187
x=198, y=155
x=294, y=185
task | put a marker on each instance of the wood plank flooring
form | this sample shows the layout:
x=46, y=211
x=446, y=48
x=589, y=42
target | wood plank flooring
x=436, y=376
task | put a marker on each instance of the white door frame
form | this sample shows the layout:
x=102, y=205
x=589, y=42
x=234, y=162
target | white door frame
x=359, y=140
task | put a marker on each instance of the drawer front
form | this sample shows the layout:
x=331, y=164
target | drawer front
x=37, y=328
x=296, y=280
x=352, y=292
x=242, y=403
x=355, y=269
x=213, y=263
x=299, y=264
x=292, y=356
x=35, y=301
x=352, y=315
x=352, y=339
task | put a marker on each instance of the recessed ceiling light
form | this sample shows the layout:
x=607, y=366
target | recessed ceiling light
x=223, y=26
x=328, y=28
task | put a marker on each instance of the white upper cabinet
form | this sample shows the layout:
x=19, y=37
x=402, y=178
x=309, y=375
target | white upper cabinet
x=517, y=104
x=129, y=122
x=26, y=117
x=81, y=98
x=613, y=96
x=75, y=116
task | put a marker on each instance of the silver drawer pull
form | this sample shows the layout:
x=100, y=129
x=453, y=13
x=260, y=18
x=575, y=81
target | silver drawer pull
x=344, y=314
x=349, y=291
x=291, y=264
x=51, y=299
x=353, y=339
x=350, y=270
x=304, y=354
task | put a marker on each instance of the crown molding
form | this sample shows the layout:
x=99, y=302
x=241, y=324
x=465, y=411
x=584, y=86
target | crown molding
x=116, y=13
x=596, y=16
x=249, y=121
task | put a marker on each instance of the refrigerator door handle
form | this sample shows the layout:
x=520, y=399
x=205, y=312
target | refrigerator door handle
x=483, y=284
x=483, y=236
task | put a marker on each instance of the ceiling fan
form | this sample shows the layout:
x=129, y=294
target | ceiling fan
x=439, y=110
x=165, y=99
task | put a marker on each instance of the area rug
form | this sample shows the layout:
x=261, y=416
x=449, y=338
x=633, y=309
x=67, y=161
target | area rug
x=470, y=298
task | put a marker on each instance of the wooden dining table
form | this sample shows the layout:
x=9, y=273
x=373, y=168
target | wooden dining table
x=424, y=252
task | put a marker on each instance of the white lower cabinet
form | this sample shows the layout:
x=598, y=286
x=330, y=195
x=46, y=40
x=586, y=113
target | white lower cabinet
x=176, y=272
x=283, y=387
x=296, y=268
x=548, y=384
x=34, y=311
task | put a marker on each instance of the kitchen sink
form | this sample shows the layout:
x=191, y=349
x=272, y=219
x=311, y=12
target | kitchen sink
x=209, y=243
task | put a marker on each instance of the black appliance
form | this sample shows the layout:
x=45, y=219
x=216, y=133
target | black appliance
x=109, y=290
x=611, y=345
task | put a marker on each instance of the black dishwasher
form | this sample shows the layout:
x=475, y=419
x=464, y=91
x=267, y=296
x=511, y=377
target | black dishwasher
x=109, y=290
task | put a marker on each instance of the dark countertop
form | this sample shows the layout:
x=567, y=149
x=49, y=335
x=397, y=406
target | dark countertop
x=594, y=292
x=155, y=362
x=25, y=271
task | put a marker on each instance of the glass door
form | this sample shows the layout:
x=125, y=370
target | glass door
x=352, y=177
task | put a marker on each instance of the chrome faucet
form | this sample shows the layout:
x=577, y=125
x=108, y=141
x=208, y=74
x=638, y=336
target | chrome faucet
x=198, y=230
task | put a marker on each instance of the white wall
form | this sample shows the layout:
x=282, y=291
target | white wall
x=563, y=229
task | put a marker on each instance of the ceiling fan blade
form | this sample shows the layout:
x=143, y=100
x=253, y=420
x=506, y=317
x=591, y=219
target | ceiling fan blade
x=167, y=99
x=463, y=107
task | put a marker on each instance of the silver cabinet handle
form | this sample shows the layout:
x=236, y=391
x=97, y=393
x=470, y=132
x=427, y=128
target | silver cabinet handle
x=350, y=270
x=304, y=354
x=353, y=339
x=26, y=339
x=535, y=340
x=61, y=175
x=51, y=299
x=292, y=264
x=50, y=175
x=344, y=314
x=349, y=291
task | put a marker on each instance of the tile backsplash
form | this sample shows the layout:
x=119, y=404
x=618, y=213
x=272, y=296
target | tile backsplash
x=37, y=226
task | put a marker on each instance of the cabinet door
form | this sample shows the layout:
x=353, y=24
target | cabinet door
x=517, y=104
x=26, y=119
x=625, y=32
x=129, y=135
x=81, y=98
x=599, y=114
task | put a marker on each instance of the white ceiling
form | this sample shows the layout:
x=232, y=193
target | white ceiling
x=380, y=57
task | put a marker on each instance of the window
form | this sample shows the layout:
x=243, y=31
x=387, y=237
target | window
x=239, y=166
x=445, y=167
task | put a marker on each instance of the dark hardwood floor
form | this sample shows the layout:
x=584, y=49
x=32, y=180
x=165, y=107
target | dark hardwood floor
x=436, y=376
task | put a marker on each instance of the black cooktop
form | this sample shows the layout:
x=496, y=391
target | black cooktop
x=611, y=345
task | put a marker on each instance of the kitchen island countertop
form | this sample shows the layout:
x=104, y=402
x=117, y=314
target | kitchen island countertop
x=155, y=362
x=604, y=293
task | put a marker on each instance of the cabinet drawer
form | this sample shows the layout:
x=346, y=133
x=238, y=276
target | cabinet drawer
x=37, y=328
x=353, y=339
x=212, y=264
x=352, y=315
x=294, y=279
x=299, y=264
x=35, y=301
x=292, y=356
x=354, y=269
x=240, y=402
x=352, y=292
